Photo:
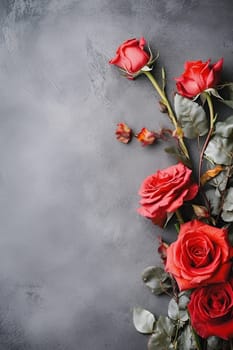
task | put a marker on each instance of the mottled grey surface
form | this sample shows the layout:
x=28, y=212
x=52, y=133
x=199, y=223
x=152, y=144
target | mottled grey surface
x=72, y=247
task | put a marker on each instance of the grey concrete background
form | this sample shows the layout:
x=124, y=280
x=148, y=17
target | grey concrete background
x=72, y=246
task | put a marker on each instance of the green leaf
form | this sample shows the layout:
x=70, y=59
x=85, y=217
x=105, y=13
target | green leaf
x=191, y=117
x=214, y=200
x=214, y=343
x=183, y=300
x=186, y=340
x=229, y=100
x=173, y=310
x=143, y=320
x=220, y=150
x=165, y=325
x=227, y=210
x=175, y=151
x=220, y=147
x=156, y=279
x=161, y=339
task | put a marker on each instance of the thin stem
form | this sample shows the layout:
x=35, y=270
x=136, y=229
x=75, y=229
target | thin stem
x=170, y=112
x=179, y=217
x=211, y=129
x=231, y=343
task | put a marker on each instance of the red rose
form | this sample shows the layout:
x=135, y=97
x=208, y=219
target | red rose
x=197, y=77
x=165, y=191
x=131, y=56
x=200, y=256
x=211, y=310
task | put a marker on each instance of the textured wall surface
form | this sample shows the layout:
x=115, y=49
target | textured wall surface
x=72, y=246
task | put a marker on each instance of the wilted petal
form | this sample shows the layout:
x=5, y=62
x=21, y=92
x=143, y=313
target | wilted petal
x=146, y=137
x=123, y=133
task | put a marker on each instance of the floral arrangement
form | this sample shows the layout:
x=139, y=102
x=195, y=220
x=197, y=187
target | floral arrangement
x=196, y=269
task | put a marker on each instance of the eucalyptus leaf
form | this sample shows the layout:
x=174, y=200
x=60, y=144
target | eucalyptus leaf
x=214, y=200
x=143, y=320
x=161, y=339
x=156, y=279
x=229, y=100
x=220, y=150
x=229, y=103
x=165, y=325
x=186, y=340
x=183, y=301
x=191, y=117
x=227, y=210
x=214, y=343
x=220, y=147
x=173, y=310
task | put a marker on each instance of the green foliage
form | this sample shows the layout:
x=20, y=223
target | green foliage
x=229, y=100
x=162, y=336
x=143, y=320
x=220, y=147
x=186, y=340
x=156, y=279
x=227, y=209
x=191, y=117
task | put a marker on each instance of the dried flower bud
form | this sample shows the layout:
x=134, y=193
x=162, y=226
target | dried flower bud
x=162, y=107
x=201, y=211
x=146, y=137
x=162, y=250
x=123, y=133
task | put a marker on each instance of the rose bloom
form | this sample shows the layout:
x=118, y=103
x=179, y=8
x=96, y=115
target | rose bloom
x=165, y=191
x=198, y=76
x=131, y=56
x=200, y=256
x=211, y=310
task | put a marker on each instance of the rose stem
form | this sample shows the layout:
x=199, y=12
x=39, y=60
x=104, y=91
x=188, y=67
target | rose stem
x=212, y=119
x=231, y=343
x=170, y=111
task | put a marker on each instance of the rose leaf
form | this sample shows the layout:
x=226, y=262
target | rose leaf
x=191, y=117
x=160, y=341
x=143, y=320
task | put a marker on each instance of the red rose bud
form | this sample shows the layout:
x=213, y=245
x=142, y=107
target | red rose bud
x=166, y=191
x=198, y=76
x=146, y=137
x=200, y=256
x=211, y=310
x=123, y=133
x=131, y=57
